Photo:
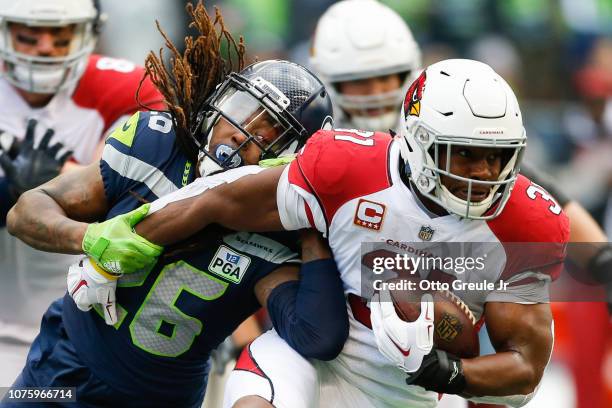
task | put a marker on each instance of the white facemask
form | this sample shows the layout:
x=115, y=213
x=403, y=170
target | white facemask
x=39, y=80
x=381, y=123
x=458, y=206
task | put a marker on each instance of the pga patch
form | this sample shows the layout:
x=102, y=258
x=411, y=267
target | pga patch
x=229, y=264
x=369, y=214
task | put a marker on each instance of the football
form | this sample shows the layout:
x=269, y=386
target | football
x=454, y=323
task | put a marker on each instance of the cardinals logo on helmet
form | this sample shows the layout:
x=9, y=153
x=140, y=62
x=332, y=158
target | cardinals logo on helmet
x=412, y=102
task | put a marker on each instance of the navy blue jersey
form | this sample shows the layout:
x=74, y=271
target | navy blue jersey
x=171, y=317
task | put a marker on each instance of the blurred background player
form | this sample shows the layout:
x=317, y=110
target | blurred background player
x=366, y=55
x=49, y=74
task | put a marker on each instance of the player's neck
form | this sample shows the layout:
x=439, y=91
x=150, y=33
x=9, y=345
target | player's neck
x=35, y=100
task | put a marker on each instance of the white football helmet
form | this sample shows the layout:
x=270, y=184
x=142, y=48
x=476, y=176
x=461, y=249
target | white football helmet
x=460, y=102
x=358, y=39
x=47, y=75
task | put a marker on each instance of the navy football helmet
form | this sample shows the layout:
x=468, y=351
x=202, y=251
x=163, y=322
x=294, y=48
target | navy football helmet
x=275, y=104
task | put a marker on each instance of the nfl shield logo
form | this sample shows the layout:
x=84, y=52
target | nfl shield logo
x=426, y=233
x=448, y=328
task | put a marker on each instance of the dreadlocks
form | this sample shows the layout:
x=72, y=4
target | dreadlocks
x=193, y=76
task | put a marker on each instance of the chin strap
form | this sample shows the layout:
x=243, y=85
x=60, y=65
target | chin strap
x=207, y=165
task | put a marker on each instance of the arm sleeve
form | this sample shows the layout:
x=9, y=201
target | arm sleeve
x=311, y=314
x=117, y=157
x=112, y=164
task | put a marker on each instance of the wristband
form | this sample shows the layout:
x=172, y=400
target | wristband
x=440, y=372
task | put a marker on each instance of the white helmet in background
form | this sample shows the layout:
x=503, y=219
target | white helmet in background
x=461, y=102
x=43, y=74
x=359, y=39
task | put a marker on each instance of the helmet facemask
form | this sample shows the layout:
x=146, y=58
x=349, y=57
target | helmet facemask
x=355, y=107
x=430, y=182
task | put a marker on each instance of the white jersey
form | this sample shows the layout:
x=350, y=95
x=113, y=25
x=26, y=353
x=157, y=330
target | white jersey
x=80, y=116
x=349, y=187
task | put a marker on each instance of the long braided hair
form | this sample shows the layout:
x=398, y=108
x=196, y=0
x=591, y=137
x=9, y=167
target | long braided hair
x=193, y=75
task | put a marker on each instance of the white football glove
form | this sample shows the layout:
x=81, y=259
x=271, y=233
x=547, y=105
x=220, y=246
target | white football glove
x=88, y=284
x=404, y=343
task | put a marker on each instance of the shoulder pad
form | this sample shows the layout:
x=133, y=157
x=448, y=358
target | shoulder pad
x=145, y=135
x=534, y=231
x=340, y=165
x=531, y=215
x=109, y=86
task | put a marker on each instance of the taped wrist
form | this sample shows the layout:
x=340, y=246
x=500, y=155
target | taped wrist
x=440, y=372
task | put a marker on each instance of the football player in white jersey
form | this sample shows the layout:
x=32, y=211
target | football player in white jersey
x=365, y=52
x=453, y=168
x=48, y=74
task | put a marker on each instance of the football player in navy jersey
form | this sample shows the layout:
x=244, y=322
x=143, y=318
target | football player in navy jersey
x=151, y=347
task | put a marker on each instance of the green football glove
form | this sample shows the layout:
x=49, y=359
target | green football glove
x=115, y=246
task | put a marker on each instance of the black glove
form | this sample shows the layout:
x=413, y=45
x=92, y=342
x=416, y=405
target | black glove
x=33, y=166
x=440, y=372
